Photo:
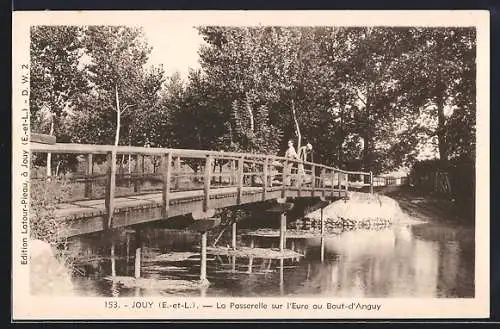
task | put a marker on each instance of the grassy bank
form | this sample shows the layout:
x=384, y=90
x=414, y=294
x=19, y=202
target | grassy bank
x=432, y=208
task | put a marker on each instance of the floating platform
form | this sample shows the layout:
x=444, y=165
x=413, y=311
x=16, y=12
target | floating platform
x=145, y=283
x=294, y=234
x=247, y=252
x=175, y=257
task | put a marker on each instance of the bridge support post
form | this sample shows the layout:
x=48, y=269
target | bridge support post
x=282, y=276
x=138, y=245
x=282, y=231
x=233, y=236
x=203, y=258
x=113, y=258
x=282, y=209
x=233, y=263
x=250, y=264
x=322, y=249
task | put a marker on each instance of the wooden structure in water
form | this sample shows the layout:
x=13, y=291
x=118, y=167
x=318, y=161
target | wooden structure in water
x=248, y=178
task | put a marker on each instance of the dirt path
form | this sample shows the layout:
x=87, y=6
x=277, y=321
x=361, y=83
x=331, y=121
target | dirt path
x=427, y=207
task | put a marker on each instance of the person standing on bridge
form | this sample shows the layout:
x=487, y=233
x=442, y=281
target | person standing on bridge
x=303, y=151
x=289, y=154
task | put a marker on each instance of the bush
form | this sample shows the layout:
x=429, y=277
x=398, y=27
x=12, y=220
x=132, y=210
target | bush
x=45, y=195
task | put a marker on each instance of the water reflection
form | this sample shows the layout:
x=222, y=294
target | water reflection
x=403, y=261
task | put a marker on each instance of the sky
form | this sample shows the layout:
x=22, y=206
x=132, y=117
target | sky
x=175, y=48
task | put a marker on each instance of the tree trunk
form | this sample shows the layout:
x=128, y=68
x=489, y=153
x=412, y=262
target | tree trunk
x=367, y=136
x=366, y=151
x=341, y=140
x=118, y=114
x=297, y=127
x=57, y=167
x=252, y=124
x=441, y=131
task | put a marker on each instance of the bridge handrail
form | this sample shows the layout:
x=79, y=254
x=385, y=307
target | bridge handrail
x=245, y=168
x=65, y=148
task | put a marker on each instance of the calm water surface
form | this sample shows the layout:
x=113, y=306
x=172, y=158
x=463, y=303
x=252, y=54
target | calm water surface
x=425, y=260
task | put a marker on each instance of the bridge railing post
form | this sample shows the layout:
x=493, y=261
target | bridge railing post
x=371, y=182
x=286, y=179
x=88, y=174
x=323, y=175
x=110, y=188
x=265, y=178
x=139, y=169
x=333, y=182
x=240, y=177
x=177, y=168
x=206, y=182
x=340, y=176
x=300, y=177
x=313, y=179
x=166, y=163
x=346, y=183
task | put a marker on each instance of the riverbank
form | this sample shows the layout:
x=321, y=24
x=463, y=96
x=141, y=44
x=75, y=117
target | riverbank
x=361, y=210
x=429, y=208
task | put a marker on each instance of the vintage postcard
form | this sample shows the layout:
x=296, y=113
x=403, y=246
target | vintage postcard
x=176, y=165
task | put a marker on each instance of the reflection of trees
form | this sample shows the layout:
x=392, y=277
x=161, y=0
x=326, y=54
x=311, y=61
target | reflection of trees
x=456, y=259
x=378, y=264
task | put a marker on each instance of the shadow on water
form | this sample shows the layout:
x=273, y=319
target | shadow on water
x=425, y=260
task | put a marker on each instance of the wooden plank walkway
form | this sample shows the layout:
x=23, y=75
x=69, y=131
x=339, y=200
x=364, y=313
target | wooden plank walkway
x=86, y=208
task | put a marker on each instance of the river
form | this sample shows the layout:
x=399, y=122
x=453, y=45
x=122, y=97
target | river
x=424, y=260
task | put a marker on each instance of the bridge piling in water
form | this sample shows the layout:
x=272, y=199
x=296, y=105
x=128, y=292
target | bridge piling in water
x=282, y=231
x=113, y=258
x=138, y=251
x=322, y=256
x=233, y=235
x=203, y=256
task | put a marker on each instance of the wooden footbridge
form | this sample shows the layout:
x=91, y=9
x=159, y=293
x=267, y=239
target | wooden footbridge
x=248, y=178
x=185, y=182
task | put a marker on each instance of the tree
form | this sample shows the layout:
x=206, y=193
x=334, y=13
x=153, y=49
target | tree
x=442, y=75
x=116, y=70
x=56, y=79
